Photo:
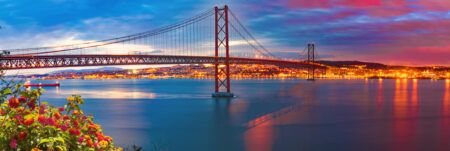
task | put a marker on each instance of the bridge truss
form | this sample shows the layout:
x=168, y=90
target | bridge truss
x=55, y=61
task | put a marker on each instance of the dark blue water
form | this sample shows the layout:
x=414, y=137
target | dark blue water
x=283, y=115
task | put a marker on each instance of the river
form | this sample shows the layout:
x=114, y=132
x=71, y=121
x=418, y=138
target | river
x=282, y=115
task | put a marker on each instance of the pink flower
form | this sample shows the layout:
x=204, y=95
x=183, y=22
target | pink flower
x=19, y=118
x=22, y=135
x=74, y=131
x=61, y=109
x=31, y=105
x=80, y=140
x=13, y=102
x=75, y=123
x=42, y=119
x=65, y=117
x=22, y=99
x=99, y=136
x=13, y=143
x=42, y=109
x=51, y=121
x=63, y=126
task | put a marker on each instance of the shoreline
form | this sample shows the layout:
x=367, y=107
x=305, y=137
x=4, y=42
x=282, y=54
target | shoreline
x=234, y=78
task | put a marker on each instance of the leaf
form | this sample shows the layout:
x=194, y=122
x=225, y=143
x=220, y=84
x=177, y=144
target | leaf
x=45, y=140
x=28, y=116
x=59, y=139
x=61, y=148
x=7, y=91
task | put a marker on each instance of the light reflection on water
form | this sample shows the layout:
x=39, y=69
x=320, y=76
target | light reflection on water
x=260, y=138
x=108, y=93
x=445, y=123
x=405, y=123
x=380, y=98
x=291, y=114
x=447, y=92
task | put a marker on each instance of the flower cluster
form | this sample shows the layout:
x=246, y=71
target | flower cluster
x=29, y=125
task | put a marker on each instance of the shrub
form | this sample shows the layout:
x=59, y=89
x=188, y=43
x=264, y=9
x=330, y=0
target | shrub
x=27, y=124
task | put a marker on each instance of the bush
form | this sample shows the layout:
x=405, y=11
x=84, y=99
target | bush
x=27, y=124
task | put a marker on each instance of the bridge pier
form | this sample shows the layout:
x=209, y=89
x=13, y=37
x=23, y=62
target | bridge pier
x=222, y=71
x=222, y=95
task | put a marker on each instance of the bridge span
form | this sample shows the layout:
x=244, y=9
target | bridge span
x=54, y=61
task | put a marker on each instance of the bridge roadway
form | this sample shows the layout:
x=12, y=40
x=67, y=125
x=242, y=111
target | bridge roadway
x=53, y=61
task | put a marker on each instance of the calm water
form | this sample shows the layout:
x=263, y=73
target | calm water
x=283, y=115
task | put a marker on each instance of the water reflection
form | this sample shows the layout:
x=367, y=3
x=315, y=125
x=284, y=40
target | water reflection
x=222, y=111
x=446, y=98
x=57, y=90
x=414, y=91
x=222, y=119
x=109, y=94
x=260, y=138
x=379, y=100
x=261, y=133
x=400, y=98
x=445, y=121
x=404, y=123
x=414, y=107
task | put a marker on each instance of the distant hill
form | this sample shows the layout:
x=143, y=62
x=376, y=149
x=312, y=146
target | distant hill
x=87, y=70
x=370, y=65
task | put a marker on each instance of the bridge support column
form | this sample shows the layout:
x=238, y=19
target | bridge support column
x=311, y=57
x=222, y=68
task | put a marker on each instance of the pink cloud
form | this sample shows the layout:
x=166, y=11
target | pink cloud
x=420, y=33
x=435, y=5
x=389, y=11
x=400, y=56
x=308, y=4
x=386, y=5
x=373, y=7
x=433, y=50
x=359, y=3
x=334, y=3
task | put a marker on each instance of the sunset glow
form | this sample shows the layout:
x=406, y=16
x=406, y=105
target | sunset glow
x=399, y=32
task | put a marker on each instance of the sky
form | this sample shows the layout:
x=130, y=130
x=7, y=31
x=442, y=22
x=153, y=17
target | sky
x=397, y=32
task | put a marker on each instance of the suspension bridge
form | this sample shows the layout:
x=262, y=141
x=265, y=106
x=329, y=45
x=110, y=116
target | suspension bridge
x=215, y=36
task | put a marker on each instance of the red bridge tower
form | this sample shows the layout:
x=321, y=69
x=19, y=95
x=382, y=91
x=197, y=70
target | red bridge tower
x=222, y=69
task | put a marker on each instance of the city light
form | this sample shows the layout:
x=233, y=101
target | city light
x=204, y=71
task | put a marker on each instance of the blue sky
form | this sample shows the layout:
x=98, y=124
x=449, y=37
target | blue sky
x=409, y=32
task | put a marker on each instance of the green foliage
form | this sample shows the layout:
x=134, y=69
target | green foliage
x=30, y=125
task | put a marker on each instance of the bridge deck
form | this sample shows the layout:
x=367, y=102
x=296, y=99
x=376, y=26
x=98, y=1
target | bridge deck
x=54, y=61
